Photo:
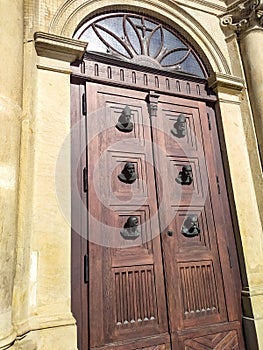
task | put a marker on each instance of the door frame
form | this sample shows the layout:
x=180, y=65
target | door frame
x=78, y=79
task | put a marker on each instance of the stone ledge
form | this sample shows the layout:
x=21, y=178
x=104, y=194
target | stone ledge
x=6, y=342
x=59, y=47
x=61, y=337
x=44, y=322
x=224, y=82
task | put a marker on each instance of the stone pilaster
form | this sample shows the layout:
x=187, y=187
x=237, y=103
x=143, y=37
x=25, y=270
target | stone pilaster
x=11, y=69
x=246, y=20
x=41, y=303
x=250, y=243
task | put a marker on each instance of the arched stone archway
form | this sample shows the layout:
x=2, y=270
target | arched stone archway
x=71, y=14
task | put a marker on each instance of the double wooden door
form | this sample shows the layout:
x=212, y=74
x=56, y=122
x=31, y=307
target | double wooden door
x=168, y=281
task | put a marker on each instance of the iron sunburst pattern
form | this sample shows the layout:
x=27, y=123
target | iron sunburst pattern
x=141, y=40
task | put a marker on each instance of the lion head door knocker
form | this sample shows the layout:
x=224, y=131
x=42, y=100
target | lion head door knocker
x=190, y=227
x=124, y=123
x=128, y=174
x=185, y=176
x=179, y=127
x=130, y=229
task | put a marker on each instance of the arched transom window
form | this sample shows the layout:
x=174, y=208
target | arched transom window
x=140, y=40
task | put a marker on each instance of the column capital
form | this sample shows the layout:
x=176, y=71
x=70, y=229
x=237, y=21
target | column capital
x=245, y=15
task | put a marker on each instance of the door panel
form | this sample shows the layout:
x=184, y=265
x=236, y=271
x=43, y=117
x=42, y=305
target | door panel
x=196, y=290
x=126, y=278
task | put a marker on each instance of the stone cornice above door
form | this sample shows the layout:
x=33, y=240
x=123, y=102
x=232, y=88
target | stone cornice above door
x=59, y=47
x=213, y=7
x=244, y=16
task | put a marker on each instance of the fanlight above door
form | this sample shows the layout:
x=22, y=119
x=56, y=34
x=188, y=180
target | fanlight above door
x=140, y=40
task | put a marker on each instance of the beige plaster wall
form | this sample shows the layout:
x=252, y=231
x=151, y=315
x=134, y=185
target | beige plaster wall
x=42, y=291
x=41, y=300
x=51, y=240
x=243, y=187
x=10, y=114
x=247, y=115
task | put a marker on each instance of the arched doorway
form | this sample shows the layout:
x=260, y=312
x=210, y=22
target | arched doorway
x=155, y=265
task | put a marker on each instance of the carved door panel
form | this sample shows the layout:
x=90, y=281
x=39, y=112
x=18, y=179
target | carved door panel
x=127, y=299
x=200, y=290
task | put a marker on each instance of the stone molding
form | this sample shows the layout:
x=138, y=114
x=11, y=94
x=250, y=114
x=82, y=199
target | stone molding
x=227, y=87
x=219, y=81
x=246, y=15
x=59, y=47
x=44, y=322
x=213, y=7
x=6, y=342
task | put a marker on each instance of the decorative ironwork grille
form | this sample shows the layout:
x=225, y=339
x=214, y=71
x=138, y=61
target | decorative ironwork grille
x=140, y=40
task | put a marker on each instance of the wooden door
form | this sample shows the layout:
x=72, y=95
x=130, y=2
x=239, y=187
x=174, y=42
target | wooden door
x=127, y=295
x=202, y=300
x=167, y=282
